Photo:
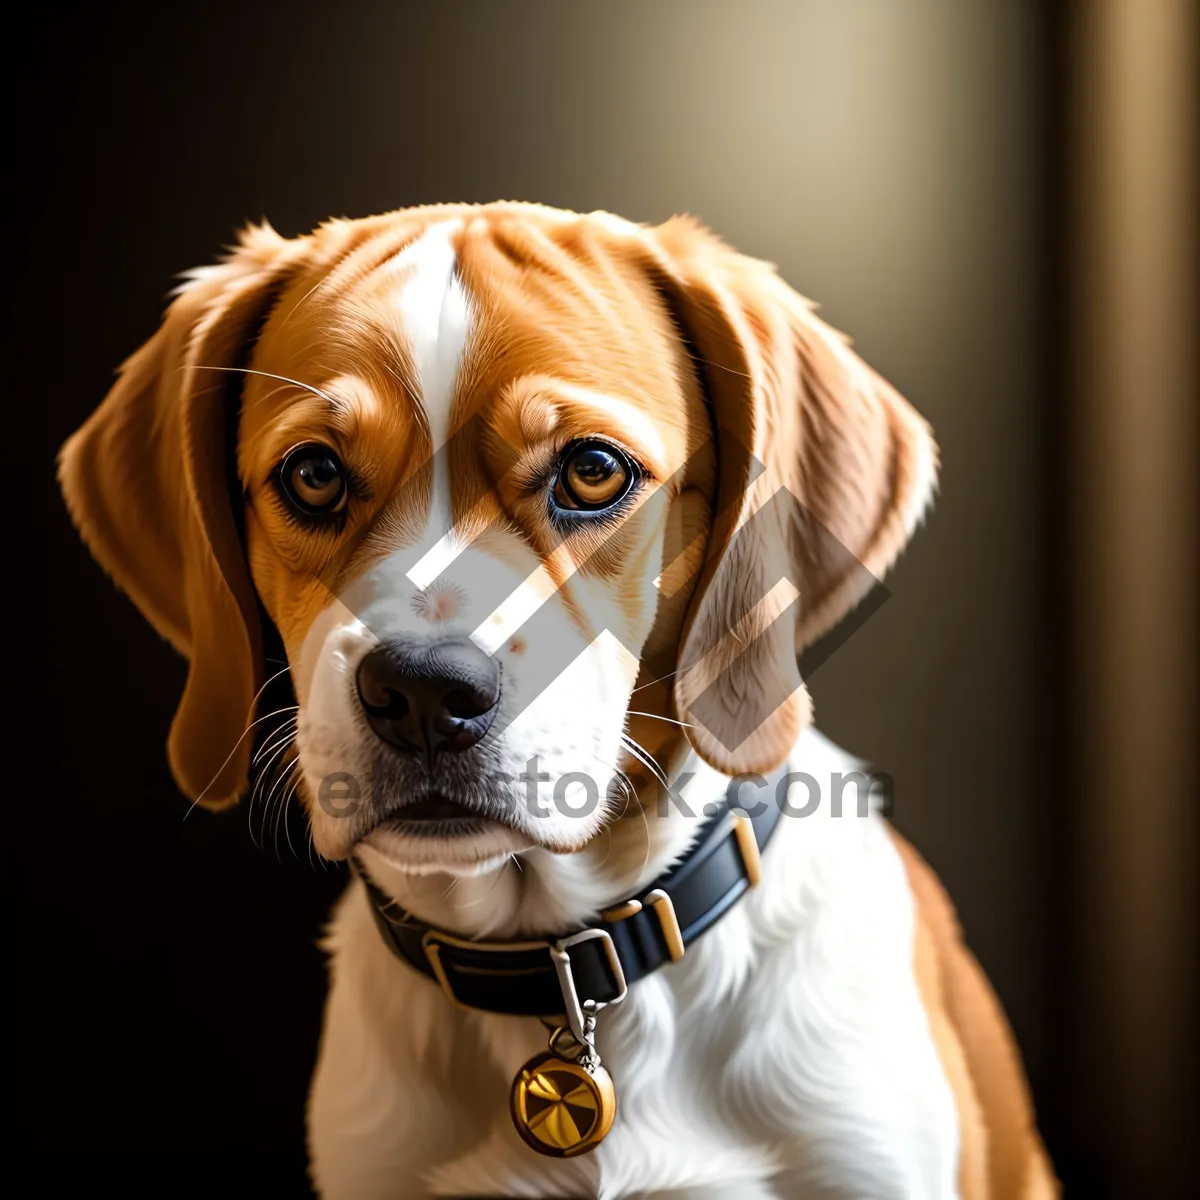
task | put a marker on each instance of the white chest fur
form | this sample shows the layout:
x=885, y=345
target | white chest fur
x=788, y=1054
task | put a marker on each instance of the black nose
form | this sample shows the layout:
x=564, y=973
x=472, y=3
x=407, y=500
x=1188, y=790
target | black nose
x=429, y=697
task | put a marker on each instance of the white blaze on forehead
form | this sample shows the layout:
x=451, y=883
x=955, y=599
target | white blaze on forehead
x=436, y=314
x=437, y=319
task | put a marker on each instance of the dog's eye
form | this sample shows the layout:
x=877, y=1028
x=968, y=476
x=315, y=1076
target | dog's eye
x=314, y=480
x=592, y=476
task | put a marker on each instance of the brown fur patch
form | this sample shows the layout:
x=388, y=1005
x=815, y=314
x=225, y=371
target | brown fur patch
x=1003, y=1157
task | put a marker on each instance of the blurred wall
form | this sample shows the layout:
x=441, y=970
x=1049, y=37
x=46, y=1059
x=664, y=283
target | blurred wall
x=891, y=158
x=1130, y=980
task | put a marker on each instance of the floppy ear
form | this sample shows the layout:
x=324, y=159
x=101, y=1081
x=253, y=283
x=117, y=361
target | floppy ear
x=150, y=486
x=824, y=471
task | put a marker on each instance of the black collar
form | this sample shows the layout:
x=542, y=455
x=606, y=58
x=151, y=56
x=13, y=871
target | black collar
x=556, y=978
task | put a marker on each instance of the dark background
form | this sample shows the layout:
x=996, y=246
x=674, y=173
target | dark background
x=922, y=170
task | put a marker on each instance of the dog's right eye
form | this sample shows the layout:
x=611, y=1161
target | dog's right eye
x=593, y=476
x=313, y=480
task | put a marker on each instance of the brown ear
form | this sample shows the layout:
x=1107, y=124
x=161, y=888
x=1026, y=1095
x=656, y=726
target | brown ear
x=147, y=483
x=824, y=471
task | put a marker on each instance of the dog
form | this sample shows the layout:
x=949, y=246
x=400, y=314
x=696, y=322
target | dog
x=528, y=497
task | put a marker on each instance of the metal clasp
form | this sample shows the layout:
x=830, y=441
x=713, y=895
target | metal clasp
x=575, y=1007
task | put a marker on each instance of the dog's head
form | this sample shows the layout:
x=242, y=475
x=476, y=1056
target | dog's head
x=508, y=482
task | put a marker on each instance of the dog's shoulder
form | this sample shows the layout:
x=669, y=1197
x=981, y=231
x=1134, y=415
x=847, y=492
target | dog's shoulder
x=1002, y=1154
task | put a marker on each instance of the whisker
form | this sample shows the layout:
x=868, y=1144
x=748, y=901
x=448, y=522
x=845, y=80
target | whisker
x=287, y=728
x=608, y=850
x=633, y=712
x=282, y=379
x=250, y=823
x=269, y=776
x=294, y=775
x=283, y=387
x=660, y=679
x=720, y=366
x=480, y=899
x=278, y=796
x=253, y=704
x=630, y=794
x=268, y=771
x=646, y=852
x=644, y=757
x=275, y=744
x=321, y=281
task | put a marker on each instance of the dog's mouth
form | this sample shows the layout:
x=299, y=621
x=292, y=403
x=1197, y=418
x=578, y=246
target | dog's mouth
x=436, y=816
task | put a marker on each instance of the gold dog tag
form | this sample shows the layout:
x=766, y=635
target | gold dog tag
x=562, y=1108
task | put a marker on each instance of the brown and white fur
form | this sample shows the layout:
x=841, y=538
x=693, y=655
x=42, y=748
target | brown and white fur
x=831, y=1037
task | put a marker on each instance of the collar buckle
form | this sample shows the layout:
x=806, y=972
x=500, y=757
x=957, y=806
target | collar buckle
x=577, y=1009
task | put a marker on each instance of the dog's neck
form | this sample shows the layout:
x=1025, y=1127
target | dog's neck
x=541, y=892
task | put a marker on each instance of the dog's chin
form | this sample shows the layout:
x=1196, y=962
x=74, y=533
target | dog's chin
x=441, y=836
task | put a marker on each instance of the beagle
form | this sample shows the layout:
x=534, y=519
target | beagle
x=542, y=508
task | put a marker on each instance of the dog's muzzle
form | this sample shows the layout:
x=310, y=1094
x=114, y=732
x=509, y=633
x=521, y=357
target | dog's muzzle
x=426, y=697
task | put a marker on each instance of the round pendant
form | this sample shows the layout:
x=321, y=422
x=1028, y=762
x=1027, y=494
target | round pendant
x=560, y=1108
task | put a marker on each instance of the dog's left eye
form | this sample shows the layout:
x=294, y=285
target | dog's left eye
x=314, y=480
x=592, y=476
